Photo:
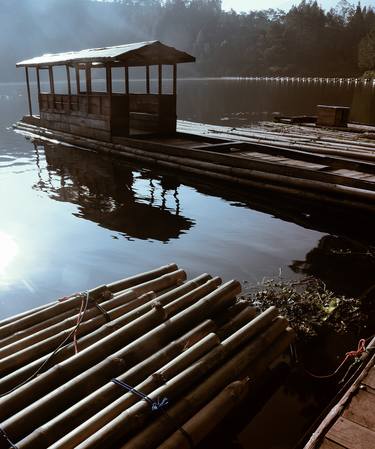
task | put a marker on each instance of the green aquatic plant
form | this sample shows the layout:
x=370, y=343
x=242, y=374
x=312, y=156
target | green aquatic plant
x=309, y=306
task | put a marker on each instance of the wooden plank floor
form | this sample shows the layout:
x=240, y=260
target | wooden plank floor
x=355, y=427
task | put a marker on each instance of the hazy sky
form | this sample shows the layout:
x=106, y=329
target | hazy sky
x=246, y=5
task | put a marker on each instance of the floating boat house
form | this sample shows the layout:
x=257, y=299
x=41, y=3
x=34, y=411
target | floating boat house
x=86, y=111
x=334, y=169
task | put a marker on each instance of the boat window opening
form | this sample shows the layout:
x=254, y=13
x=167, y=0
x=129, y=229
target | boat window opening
x=98, y=80
x=118, y=84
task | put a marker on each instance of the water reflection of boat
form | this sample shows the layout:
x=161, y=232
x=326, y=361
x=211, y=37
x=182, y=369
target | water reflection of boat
x=112, y=194
x=338, y=261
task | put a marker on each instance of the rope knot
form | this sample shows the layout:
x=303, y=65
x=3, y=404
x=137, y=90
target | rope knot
x=360, y=349
x=159, y=404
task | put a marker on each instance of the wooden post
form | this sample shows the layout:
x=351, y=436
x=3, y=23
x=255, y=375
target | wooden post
x=174, y=79
x=148, y=79
x=69, y=87
x=108, y=70
x=127, y=80
x=38, y=84
x=88, y=78
x=78, y=82
x=51, y=80
x=28, y=90
x=88, y=85
x=160, y=67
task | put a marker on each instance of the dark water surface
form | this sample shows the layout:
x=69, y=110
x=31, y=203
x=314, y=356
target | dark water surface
x=71, y=220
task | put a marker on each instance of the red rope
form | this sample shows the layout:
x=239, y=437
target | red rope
x=351, y=354
x=65, y=298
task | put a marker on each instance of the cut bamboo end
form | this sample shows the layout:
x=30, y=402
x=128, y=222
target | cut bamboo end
x=209, y=417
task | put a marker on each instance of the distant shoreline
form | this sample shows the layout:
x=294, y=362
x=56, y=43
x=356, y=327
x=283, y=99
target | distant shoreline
x=336, y=80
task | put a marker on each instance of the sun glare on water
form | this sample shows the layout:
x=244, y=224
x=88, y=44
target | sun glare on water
x=8, y=251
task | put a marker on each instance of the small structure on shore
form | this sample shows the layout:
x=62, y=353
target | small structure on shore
x=92, y=113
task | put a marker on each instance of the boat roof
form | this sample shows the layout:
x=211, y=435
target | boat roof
x=136, y=54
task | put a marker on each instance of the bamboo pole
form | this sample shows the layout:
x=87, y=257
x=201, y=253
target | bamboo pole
x=135, y=416
x=80, y=412
x=92, y=404
x=46, y=435
x=49, y=337
x=209, y=417
x=42, y=314
x=316, y=136
x=239, y=320
x=17, y=336
x=233, y=369
x=131, y=281
x=138, y=340
x=20, y=315
x=42, y=347
x=15, y=378
x=128, y=299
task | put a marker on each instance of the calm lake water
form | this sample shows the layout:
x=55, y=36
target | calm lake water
x=71, y=219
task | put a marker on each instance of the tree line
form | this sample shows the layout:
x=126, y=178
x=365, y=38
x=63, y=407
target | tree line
x=304, y=41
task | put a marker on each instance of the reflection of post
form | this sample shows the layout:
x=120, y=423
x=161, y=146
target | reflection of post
x=177, y=200
x=152, y=193
x=37, y=162
x=163, y=199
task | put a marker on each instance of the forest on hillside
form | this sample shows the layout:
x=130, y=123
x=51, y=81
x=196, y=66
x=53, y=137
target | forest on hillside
x=306, y=40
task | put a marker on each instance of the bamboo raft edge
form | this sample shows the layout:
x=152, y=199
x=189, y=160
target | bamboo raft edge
x=333, y=188
x=193, y=338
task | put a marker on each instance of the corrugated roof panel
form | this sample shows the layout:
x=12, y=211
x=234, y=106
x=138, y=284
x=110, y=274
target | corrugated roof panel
x=140, y=53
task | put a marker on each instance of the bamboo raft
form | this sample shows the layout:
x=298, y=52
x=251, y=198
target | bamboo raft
x=336, y=173
x=96, y=369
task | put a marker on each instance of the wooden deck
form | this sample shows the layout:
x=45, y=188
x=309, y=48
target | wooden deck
x=351, y=422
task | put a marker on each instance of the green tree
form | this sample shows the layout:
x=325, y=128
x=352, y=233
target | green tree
x=366, y=54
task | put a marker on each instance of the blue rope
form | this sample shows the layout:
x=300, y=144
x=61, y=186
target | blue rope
x=156, y=406
x=6, y=437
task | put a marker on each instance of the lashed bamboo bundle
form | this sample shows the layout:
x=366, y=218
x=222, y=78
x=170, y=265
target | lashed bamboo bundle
x=187, y=341
x=15, y=377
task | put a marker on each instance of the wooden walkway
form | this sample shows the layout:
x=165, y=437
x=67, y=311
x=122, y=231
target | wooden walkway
x=351, y=423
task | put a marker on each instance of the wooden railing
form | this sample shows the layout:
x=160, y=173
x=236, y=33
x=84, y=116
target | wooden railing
x=154, y=113
x=92, y=104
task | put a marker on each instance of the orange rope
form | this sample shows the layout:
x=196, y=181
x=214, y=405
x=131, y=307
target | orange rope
x=351, y=354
